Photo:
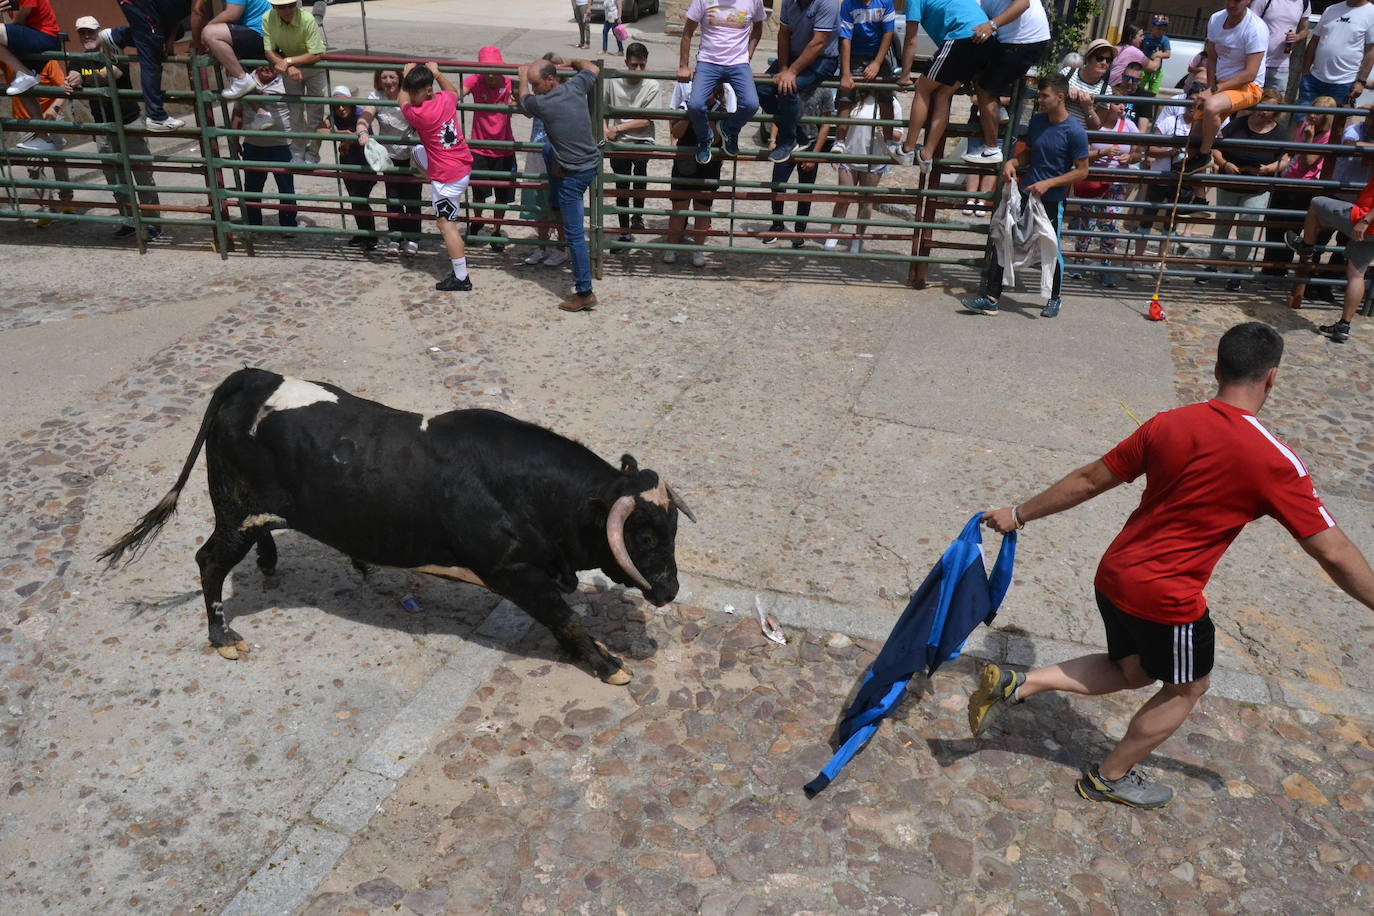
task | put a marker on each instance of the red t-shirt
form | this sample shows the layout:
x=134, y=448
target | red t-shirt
x=441, y=133
x=490, y=125
x=1210, y=469
x=1364, y=203
x=42, y=17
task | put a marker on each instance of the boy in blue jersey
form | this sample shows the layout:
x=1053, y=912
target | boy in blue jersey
x=959, y=55
x=866, y=30
x=1055, y=158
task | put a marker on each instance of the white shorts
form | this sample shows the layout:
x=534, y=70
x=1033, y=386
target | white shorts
x=447, y=198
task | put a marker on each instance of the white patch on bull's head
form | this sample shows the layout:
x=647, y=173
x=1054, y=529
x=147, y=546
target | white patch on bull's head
x=290, y=394
x=424, y=422
x=658, y=495
x=261, y=521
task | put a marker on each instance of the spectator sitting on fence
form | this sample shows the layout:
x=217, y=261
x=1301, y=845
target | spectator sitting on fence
x=1101, y=217
x=1055, y=159
x=1353, y=221
x=1174, y=121
x=1286, y=21
x=808, y=55
x=1236, y=44
x=292, y=40
x=1306, y=166
x=1260, y=126
x=572, y=157
x=1091, y=79
x=403, y=193
x=36, y=141
x=534, y=201
x=693, y=180
x=343, y=118
x=1157, y=47
x=638, y=94
x=1016, y=36
x=865, y=139
x=1338, y=57
x=730, y=31
x=961, y=53
x=491, y=89
x=95, y=73
x=443, y=155
x=866, y=30
x=32, y=29
x=275, y=116
x=234, y=35
x=153, y=28
x=1129, y=84
x=818, y=103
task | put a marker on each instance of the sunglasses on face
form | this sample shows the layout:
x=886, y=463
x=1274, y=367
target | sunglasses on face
x=1130, y=79
x=1104, y=58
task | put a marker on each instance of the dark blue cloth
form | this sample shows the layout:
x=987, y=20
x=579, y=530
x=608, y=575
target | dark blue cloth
x=1054, y=148
x=956, y=596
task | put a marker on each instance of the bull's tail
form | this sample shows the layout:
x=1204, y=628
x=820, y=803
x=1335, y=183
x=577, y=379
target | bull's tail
x=140, y=537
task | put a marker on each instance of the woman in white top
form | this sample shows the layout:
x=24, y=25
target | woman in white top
x=402, y=188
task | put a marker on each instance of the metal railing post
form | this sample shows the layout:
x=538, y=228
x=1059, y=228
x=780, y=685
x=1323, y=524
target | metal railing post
x=209, y=150
x=122, y=143
x=596, y=233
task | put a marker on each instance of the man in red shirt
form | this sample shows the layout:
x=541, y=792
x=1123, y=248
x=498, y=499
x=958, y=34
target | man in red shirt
x=32, y=29
x=1210, y=469
x=1352, y=220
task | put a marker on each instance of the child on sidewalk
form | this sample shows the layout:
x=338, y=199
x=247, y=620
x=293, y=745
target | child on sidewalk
x=866, y=139
x=444, y=156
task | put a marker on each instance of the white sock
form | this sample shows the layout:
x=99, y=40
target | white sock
x=460, y=267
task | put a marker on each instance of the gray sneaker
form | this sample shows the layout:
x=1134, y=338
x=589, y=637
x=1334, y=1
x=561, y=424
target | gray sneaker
x=1132, y=789
x=995, y=689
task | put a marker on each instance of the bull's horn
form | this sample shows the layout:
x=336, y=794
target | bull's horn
x=677, y=501
x=615, y=536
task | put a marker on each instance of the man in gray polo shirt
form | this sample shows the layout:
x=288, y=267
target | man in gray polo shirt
x=571, y=156
x=808, y=55
x=1354, y=220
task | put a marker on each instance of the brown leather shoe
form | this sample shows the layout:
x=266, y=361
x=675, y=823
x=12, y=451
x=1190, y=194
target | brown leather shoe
x=579, y=303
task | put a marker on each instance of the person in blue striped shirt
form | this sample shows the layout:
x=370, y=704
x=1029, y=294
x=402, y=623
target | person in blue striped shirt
x=866, y=30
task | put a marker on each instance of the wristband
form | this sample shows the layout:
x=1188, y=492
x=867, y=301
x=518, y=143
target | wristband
x=1016, y=518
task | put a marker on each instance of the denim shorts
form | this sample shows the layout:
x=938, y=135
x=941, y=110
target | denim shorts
x=24, y=40
x=1310, y=88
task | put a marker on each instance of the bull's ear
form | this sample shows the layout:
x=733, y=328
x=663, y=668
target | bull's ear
x=628, y=465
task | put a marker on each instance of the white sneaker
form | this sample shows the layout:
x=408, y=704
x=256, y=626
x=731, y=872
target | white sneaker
x=166, y=124
x=556, y=257
x=922, y=162
x=393, y=246
x=856, y=246
x=831, y=244
x=988, y=155
x=22, y=82
x=238, y=87
x=838, y=147
x=312, y=158
x=669, y=257
x=412, y=247
x=534, y=257
x=906, y=157
x=698, y=259
x=42, y=144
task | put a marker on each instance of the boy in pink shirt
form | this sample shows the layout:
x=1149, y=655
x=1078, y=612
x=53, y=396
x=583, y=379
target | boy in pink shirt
x=490, y=89
x=444, y=156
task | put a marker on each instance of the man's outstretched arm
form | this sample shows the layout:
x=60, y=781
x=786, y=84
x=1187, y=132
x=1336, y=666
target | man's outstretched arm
x=1079, y=486
x=1343, y=562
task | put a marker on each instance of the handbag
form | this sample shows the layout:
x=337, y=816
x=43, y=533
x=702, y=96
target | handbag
x=376, y=156
x=621, y=33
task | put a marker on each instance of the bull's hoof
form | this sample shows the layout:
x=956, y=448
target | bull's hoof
x=268, y=571
x=620, y=678
x=232, y=652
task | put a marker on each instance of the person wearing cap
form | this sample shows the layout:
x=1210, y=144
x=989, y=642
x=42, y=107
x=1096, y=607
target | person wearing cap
x=153, y=28
x=267, y=117
x=32, y=29
x=1157, y=47
x=343, y=118
x=94, y=72
x=490, y=89
x=1286, y=21
x=1089, y=81
x=232, y=36
x=1236, y=44
x=291, y=41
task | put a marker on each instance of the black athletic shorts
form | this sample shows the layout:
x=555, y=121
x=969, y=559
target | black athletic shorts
x=246, y=42
x=957, y=60
x=1004, y=64
x=1172, y=653
x=845, y=98
x=504, y=194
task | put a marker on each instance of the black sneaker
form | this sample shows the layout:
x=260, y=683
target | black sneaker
x=768, y=238
x=1202, y=281
x=799, y=243
x=1233, y=286
x=1294, y=241
x=1132, y=789
x=636, y=222
x=124, y=231
x=1339, y=332
x=452, y=284
x=1196, y=161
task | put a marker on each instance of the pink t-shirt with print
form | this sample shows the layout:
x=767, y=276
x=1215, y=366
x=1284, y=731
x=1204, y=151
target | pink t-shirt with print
x=724, y=29
x=490, y=125
x=441, y=134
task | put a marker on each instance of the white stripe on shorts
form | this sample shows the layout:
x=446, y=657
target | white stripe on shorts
x=1183, y=653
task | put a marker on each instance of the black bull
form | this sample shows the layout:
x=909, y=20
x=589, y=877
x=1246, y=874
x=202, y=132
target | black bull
x=470, y=495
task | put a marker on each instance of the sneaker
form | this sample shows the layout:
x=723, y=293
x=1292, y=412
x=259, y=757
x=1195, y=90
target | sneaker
x=124, y=230
x=669, y=257
x=238, y=87
x=729, y=144
x=534, y=257
x=623, y=237
x=894, y=151
x=39, y=144
x=782, y=152
x=698, y=259
x=1196, y=162
x=636, y=222
x=22, y=82
x=365, y=242
x=1132, y=789
x=988, y=155
x=1051, y=309
x=856, y=246
x=769, y=235
x=924, y=164
x=906, y=157
x=838, y=147
x=163, y=125
x=995, y=686
x=1233, y=286
x=556, y=258
x=1202, y=281
x=1338, y=331
x=1294, y=241
x=980, y=304
x=151, y=233
x=312, y=158
x=393, y=246
x=497, y=243
x=452, y=284
x=412, y=247
x=799, y=243
x=831, y=244
x=704, y=154
x=1074, y=274
x=1108, y=281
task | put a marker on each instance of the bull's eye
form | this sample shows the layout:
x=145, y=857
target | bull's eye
x=649, y=540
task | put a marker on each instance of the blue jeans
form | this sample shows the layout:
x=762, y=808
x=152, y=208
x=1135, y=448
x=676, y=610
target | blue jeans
x=256, y=181
x=566, y=193
x=607, y=30
x=705, y=81
x=1310, y=88
x=787, y=108
x=147, y=34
